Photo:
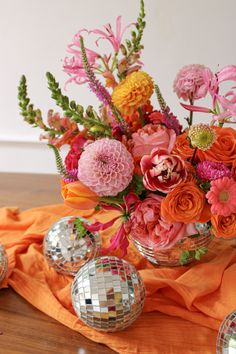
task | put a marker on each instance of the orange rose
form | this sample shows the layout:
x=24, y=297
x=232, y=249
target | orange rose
x=77, y=196
x=182, y=147
x=223, y=150
x=186, y=203
x=224, y=226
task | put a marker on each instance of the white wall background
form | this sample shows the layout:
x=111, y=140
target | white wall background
x=33, y=39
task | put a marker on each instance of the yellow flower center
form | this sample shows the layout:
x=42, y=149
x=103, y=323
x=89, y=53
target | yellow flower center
x=224, y=196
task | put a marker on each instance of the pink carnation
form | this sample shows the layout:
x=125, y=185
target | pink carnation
x=190, y=83
x=106, y=167
x=147, y=226
x=222, y=196
x=152, y=136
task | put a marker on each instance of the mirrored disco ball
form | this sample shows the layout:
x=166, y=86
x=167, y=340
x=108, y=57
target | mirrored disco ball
x=64, y=248
x=108, y=294
x=226, y=341
x=3, y=263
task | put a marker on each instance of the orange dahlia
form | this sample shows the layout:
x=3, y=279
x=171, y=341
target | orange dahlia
x=133, y=92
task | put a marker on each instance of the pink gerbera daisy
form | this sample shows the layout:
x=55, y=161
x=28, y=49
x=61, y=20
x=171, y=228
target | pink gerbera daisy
x=222, y=196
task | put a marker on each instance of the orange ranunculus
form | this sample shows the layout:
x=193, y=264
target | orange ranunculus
x=223, y=150
x=224, y=226
x=78, y=196
x=186, y=203
x=182, y=147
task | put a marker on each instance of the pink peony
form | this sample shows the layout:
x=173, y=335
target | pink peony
x=106, y=167
x=147, y=226
x=190, y=82
x=162, y=171
x=152, y=136
x=222, y=196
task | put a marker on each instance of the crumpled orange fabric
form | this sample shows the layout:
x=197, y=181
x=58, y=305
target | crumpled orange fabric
x=184, y=306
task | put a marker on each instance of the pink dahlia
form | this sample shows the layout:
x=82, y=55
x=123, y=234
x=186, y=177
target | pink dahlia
x=222, y=196
x=106, y=167
x=209, y=170
x=152, y=136
x=162, y=171
x=190, y=83
x=147, y=225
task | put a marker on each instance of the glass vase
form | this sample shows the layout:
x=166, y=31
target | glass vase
x=183, y=252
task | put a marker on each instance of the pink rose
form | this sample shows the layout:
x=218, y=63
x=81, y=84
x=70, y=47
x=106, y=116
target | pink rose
x=162, y=171
x=148, y=227
x=152, y=136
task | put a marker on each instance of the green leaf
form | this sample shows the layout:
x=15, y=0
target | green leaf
x=79, y=225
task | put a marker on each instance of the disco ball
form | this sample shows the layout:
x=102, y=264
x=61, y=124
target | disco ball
x=68, y=245
x=108, y=294
x=3, y=263
x=226, y=341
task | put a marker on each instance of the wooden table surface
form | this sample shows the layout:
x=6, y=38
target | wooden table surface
x=23, y=328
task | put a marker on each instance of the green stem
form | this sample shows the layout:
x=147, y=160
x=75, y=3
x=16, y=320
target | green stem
x=194, y=155
x=191, y=113
x=141, y=116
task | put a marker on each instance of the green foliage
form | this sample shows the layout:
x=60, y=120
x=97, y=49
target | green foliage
x=140, y=25
x=71, y=109
x=89, y=118
x=80, y=229
x=27, y=109
x=196, y=254
x=137, y=184
x=59, y=163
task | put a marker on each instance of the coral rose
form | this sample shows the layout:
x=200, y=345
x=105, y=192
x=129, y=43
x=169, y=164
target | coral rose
x=186, y=203
x=147, y=226
x=224, y=226
x=77, y=196
x=223, y=150
x=152, y=136
x=162, y=171
x=182, y=147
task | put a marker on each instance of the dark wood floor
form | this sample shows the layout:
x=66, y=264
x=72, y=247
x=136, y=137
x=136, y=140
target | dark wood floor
x=24, y=329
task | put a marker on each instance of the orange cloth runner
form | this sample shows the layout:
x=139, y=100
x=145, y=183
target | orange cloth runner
x=184, y=305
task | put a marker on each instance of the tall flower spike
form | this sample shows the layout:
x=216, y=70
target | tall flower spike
x=96, y=86
x=160, y=98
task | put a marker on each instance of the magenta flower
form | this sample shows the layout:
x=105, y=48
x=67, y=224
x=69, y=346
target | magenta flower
x=209, y=170
x=106, y=167
x=189, y=83
x=222, y=196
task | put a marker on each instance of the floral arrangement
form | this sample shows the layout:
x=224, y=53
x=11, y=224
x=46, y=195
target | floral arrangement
x=164, y=180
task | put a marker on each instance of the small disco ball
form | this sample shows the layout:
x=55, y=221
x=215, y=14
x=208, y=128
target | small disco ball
x=3, y=263
x=226, y=341
x=68, y=245
x=108, y=294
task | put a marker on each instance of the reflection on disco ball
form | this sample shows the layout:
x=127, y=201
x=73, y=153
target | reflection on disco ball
x=68, y=245
x=226, y=341
x=3, y=263
x=108, y=294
